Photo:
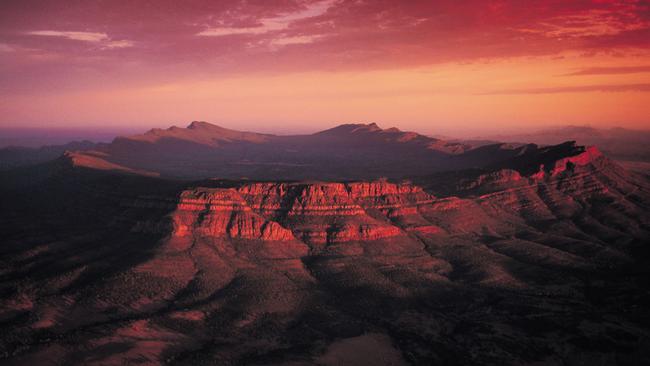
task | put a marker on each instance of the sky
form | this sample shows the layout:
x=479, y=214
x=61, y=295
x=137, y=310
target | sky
x=286, y=66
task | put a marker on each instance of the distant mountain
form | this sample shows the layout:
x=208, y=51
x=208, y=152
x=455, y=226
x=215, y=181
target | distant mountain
x=15, y=156
x=346, y=152
x=618, y=143
x=197, y=132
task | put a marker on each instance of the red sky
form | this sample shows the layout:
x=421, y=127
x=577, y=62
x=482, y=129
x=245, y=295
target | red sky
x=449, y=67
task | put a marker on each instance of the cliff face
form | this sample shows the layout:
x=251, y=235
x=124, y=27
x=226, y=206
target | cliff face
x=591, y=157
x=572, y=188
x=315, y=212
x=320, y=213
x=583, y=165
x=223, y=213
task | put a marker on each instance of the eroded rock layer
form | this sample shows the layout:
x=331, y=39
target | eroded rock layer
x=316, y=212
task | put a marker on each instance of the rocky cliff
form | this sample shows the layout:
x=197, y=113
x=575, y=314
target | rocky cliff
x=319, y=213
x=315, y=212
x=222, y=213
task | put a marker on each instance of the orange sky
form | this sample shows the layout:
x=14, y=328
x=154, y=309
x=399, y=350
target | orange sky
x=287, y=66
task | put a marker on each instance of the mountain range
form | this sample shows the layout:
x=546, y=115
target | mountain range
x=618, y=143
x=347, y=152
x=354, y=245
x=16, y=156
x=204, y=150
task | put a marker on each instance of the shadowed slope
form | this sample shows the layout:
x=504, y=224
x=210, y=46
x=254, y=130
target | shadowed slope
x=353, y=151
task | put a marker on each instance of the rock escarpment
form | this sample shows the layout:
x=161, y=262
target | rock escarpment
x=315, y=212
x=323, y=212
x=223, y=213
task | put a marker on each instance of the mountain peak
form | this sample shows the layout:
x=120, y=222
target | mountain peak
x=198, y=132
x=349, y=128
x=195, y=125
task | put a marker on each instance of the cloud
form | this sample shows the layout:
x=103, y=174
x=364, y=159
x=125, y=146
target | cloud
x=227, y=31
x=284, y=41
x=6, y=48
x=104, y=41
x=118, y=44
x=277, y=23
x=76, y=36
x=352, y=35
x=592, y=23
x=575, y=89
x=611, y=70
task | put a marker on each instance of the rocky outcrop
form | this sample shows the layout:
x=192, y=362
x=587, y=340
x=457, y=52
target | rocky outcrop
x=324, y=199
x=362, y=232
x=585, y=163
x=500, y=179
x=317, y=212
x=591, y=157
x=223, y=213
x=320, y=213
x=97, y=160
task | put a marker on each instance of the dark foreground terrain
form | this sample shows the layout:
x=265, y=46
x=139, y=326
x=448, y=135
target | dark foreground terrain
x=538, y=257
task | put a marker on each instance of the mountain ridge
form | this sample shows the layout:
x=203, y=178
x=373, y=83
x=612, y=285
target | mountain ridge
x=199, y=132
x=619, y=143
x=349, y=151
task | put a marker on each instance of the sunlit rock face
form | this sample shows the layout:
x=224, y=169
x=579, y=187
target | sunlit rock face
x=223, y=213
x=317, y=212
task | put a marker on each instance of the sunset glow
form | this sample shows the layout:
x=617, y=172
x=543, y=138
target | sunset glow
x=299, y=66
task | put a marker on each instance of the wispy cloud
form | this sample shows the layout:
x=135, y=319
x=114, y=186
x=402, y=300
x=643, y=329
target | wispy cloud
x=611, y=70
x=6, y=48
x=227, y=31
x=267, y=25
x=575, y=89
x=76, y=36
x=118, y=44
x=284, y=41
x=102, y=39
x=591, y=23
